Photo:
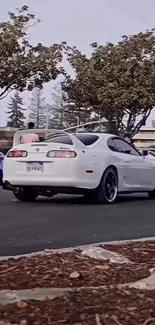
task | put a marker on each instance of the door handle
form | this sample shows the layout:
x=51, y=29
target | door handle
x=127, y=161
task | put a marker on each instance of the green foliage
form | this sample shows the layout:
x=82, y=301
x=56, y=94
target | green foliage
x=117, y=81
x=16, y=111
x=22, y=65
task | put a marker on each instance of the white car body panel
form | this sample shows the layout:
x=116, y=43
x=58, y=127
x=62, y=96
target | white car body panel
x=135, y=173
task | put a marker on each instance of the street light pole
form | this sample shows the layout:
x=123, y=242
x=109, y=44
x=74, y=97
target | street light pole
x=78, y=120
x=47, y=116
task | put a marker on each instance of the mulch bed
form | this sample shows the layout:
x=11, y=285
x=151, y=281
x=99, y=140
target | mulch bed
x=138, y=252
x=97, y=307
x=55, y=270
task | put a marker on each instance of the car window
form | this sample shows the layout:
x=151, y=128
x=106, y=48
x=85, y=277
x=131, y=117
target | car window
x=111, y=144
x=124, y=147
x=65, y=139
x=87, y=139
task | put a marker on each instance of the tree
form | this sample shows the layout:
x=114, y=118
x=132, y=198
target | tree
x=75, y=115
x=37, y=109
x=16, y=111
x=57, y=108
x=117, y=81
x=22, y=65
x=65, y=113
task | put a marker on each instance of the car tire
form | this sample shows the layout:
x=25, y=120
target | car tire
x=108, y=188
x=25, y=195
x=151, y=194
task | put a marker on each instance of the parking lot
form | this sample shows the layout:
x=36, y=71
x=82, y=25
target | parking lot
x=65, y=221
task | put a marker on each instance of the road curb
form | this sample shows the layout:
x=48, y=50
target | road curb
x=82, y=247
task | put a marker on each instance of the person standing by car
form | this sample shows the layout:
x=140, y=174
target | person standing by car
x=30, y=137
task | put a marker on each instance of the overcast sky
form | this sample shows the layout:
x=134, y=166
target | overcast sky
x=81, y=22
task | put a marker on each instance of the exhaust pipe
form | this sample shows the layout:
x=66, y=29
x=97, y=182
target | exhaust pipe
x=8, y=187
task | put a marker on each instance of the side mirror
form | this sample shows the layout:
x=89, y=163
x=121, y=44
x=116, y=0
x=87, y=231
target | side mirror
x=144, y=153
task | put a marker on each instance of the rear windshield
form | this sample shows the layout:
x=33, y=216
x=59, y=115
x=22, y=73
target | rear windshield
x=86, y=139
x=65, y=139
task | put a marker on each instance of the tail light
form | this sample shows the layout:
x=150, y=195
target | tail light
x=61, y=154
x=17, y=154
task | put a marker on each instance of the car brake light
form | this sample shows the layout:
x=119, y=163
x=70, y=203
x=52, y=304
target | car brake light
x=17, y=154
x=61, y=154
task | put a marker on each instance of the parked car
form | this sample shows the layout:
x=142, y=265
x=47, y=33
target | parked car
x=96, y=165
x=1, y=167
x=5, y=150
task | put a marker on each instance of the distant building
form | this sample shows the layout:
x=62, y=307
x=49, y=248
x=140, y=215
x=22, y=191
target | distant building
x=6, y=136
x=145, y=138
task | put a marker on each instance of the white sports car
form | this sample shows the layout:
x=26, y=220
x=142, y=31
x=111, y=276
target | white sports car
x=96, y=165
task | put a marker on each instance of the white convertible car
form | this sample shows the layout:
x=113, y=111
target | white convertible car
x=96, y=165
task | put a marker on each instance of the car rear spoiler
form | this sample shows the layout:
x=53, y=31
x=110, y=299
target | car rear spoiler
x=50, y=132
x=47, y=133
x=78, y=126
x=18, y=134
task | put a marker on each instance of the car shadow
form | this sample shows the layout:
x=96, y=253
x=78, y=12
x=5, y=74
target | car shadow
x=80, y=200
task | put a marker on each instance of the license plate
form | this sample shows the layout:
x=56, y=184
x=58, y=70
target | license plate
x=35, y=167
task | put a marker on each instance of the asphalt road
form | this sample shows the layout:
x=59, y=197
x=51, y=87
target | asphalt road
x=65, y=221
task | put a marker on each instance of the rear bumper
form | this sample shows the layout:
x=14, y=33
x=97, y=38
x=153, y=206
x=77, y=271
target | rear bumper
x=69, y=173
x=45, y=189
x=50, y=182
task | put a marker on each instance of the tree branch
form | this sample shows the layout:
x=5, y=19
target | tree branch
x=6, y=92
x=139, y=124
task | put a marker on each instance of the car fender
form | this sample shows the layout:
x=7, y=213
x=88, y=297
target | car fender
x=102, y=162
